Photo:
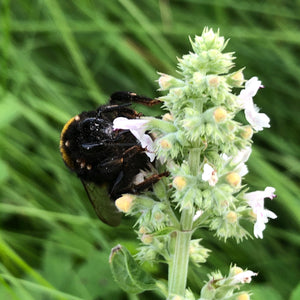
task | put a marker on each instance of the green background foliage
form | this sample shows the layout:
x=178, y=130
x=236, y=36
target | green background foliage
x=59, y=58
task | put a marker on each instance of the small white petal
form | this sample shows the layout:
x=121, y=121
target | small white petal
x=197, y=215
x=256, y=202
x=269, y=192
x=242, y=170
x=239, y=160
x=210, y=175
x=148, y=144
x=259, y=227
x=137, y=128
x=269, y=214
x=207, y=171
x=252, y=86
x=245, y=97
x=139, y=178
x=244, y=277
x=242, y=156
x=257, y=120
x=225, y=157
x=134, y=124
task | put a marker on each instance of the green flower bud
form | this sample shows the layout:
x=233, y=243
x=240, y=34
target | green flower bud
x=246, y=132
x=213, y=81
x=220, y=114
x=243, y=296
x=179, y=183
x=168, y=117
x=235, y=270
x=231, y=217
x=166, y=82
x=208, y=40
x=143, y=230
x=147, y=238
x=198, y=253
x=198, y=78
x=165, y=144
x=234, y=179
x=124, y=203
x=236, y=79
x=176, y=297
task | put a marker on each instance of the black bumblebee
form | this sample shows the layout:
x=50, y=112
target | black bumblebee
x=100, y=155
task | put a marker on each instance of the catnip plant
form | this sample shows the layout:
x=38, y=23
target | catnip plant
x=203, y=146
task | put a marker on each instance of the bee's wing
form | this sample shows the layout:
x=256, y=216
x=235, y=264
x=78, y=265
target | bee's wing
x=104, y=207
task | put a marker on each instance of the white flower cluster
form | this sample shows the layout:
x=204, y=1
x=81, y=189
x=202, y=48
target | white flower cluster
x=256, y=201
x=257, y=120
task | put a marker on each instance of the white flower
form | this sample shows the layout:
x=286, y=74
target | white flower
x=242, y=156
x=257, y=120
x=256, y=201
x=243, y=277
x=137, y=127
x=239, y=160
x=197, y=215
x=251, y=87
x=210, y=175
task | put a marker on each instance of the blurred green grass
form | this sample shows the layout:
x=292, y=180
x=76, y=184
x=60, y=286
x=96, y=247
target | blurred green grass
x=58, y=58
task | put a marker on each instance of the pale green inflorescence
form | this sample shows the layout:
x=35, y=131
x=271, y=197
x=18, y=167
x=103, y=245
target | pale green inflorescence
x=201, y=109
x=203, y=146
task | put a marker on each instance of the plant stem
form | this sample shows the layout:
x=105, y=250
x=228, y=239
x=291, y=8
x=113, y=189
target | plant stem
x=178, y=268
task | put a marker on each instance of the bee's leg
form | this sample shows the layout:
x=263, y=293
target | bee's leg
x=118, y=110
x=148, y=182
x=123, y=97
x=121, y=186
x=118, y=105
x=131, y=152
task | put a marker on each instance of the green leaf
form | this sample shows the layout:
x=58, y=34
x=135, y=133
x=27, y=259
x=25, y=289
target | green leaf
x=296, y=293
x=128, y=273
x=4, y=173
x=262, y=292
x=9, y=108
x=164, y=231
x=98, y=281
